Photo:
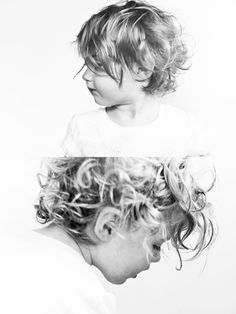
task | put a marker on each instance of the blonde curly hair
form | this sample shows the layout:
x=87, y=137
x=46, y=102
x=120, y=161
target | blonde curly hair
x=149, y=192
x=135, y=34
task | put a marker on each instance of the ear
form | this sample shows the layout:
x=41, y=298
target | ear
x=141, y=74
x=106, y=223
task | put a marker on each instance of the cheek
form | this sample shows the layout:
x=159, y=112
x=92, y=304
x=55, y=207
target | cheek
x=127, y=266
x=106, y=87
x=139, y=261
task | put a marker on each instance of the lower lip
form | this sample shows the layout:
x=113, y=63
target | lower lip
x=92, y=91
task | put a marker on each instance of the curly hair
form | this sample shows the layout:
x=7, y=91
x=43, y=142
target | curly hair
x=149, y=192
x=135, y=34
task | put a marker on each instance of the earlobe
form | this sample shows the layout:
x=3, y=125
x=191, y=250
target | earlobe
x=106, y=223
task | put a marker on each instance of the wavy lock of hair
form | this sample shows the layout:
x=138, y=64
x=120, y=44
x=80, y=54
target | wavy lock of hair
x=150, y=192
x=137, y=36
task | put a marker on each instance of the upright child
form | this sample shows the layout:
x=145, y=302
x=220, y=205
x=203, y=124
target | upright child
x=133, y=52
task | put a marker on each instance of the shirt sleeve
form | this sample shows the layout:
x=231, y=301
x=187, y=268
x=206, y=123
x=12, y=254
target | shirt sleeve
x=198, y=139
x=40, y=275
x=75, y=306
x=71, y=143
x=34, y=300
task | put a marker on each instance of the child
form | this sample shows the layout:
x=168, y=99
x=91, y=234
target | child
x=96, y=199
x=112, y=213
x=118, y=212
x=133, y=52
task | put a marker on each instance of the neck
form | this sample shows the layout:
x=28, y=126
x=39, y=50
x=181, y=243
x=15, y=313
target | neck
x=85, y=252
x=143, y=110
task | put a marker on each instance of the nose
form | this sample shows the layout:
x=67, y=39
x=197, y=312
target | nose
x=88, y=75
x=156, y=255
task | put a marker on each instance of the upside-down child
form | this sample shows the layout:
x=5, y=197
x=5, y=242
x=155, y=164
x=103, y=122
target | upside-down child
x=132, y=54
x=114, y=214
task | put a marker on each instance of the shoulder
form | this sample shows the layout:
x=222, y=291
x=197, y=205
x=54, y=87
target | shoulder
x=87, y=117
x=44, y=270
x=175, y=113
x=178, y=118
x=185, y=128
x=85, y=133
x=38, y=255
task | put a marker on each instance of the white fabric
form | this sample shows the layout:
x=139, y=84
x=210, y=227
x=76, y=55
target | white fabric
x=173, y=133
x=40, y=275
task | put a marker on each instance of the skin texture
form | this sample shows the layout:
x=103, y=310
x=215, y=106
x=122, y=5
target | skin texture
x=118, y=253
x=126, y=254
x=107, y=91
x=127, y=104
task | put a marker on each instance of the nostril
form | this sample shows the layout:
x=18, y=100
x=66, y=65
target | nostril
x=156, y=247
x=156, y=252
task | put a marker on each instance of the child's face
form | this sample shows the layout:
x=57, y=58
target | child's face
x=128, y=253
x=107, y=92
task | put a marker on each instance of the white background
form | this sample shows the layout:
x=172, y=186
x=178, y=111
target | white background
x=38, y=97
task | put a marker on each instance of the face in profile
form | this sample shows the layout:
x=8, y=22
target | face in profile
x=128, y=253
x=106, y=91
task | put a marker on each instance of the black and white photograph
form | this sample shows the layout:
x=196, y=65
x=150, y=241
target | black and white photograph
x=118, y=157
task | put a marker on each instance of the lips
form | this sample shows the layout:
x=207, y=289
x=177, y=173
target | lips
x=92, y=90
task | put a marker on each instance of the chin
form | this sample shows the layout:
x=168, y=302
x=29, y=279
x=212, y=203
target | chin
x=119, y=282
x=101, y=104
x=116, y=280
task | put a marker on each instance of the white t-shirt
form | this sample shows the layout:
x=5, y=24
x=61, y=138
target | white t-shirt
x=41, y=275
x=173, y=133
